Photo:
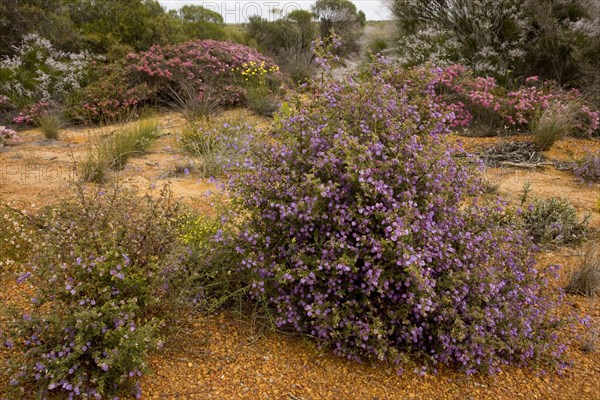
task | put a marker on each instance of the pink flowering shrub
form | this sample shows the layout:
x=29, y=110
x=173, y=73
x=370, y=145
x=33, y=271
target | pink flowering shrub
x=32, y=113
x=150, y=76
x=363, y=229
x=518, y=108
x=7, y=134
x=473, y=98
x=200, y=62
x=111, y=96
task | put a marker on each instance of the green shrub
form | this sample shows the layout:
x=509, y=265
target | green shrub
x=113, y=151
x=99, y=272
x=288, y=40
x=260, y=89
x=215, y=150
x=554, y=221
x=193, y=104
x=341, y=17
x=378, y=45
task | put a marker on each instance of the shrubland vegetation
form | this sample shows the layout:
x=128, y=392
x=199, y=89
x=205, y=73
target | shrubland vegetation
x=98, y=267
x=353, y=219
x=289, y=38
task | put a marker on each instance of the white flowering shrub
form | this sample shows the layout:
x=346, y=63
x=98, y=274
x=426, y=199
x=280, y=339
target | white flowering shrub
x=488, y=35
x=555, y=39
x=38, y=72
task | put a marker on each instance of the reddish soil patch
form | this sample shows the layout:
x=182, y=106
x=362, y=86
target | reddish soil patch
x=225, y=357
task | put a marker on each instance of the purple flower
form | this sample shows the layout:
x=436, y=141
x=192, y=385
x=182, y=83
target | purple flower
x=23, y=277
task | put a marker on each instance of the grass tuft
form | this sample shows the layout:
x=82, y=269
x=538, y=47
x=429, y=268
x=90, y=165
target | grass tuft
x=585, y=280
x=112, y=152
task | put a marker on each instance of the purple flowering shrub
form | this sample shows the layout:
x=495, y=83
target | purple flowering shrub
x=363, y=230
x=588, y=169
x=97, y=269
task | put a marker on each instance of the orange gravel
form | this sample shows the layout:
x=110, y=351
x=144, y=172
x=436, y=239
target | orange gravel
x=227, y=357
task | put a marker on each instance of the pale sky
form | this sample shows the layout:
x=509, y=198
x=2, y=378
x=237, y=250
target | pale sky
x=238, y=11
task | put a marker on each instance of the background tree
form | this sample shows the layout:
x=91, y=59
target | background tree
x=201, y=23
x=342, y=17
x=288, y=40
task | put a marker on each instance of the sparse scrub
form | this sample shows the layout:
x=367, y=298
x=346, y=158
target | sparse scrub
x=16, y=239
x=588, y=169
x=590, y=343
x=113, y=151
x=216, y=149
x=100, y=273
x=585, y=279
x=554, y=221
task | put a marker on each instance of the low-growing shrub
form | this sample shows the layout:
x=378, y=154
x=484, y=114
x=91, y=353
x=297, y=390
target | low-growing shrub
x=215, y=150
x=152, y=75
x=99, y=272
x=588, y=169
x=359, y=226
x=554, y=123
x=260, y=90
x=7, y=134
x=31, y=113
x=585, y=279
x=16, y=239
x=110, y=97
x=590, y=343
x=198, y=62
x=378, y=45
x=554, y=221
x=481, y=101
x=112, y=152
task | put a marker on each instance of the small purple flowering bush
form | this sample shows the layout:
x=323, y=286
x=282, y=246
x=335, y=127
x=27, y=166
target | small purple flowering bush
x=362, y=229
x=97, y=267
x=588, y=169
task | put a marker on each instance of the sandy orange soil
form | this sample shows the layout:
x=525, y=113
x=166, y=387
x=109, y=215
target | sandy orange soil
x=227, y=357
